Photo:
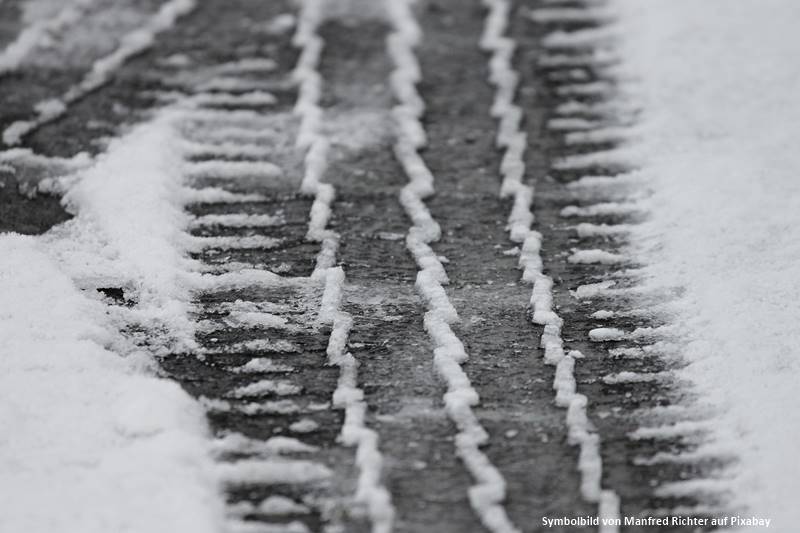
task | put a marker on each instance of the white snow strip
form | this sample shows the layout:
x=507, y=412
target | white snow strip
x=216, y=195
x=597, y=60
x=253, y=99
x=511, y=138
x=614, y=158
x=697, y=488
x=671, y=431
x=704, y=452
x=606, y=334
x=262, y=365
x=271, y=506
x=592, y=290
x=718, y=83
x=230, y=120
x=573, y=124
x=236, y=443
x=256, y=319
x=224, y=132
x=102, y=69
x=633, y=377
x=265, y=387
x=370, y=491
x=271, y=407
x=220, y=169
x=604, y=209
x=587, y=230
x=610, y=134
x=589, y=257
x=231, y=84
x=256, y=65
x=244, y=278
x=255, y=345
x=237, y=220
x=227, y=150
x=250, y=242
x=272, y=472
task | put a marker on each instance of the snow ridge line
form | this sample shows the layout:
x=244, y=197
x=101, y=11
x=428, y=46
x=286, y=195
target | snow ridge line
x=348, y=396
x=14, y=53
x=513, y=140
x=102, y=70
x=489, y=491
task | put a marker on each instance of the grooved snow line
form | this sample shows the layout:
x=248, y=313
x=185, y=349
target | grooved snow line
x=489, y=491
x=512, y=167
x=348, y=396
x=102, y=69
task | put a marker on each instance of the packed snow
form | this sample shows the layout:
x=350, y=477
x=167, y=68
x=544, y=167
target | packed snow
x=718, y=82
x=92, y=436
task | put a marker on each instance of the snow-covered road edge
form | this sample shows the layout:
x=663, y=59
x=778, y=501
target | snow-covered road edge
x=91, y=435
x=717, y=82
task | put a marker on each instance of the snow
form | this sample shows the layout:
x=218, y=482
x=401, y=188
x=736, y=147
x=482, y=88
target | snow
x=272, y=471
x=606, y=334
x=487, y=494
x=129, y=229
x=130, y=44
x=595, y=256
x=236, y=443
x=37, y=30
x=272, y=506
x=89, y=436
x=265, y=387
x=221, y=169
x=263, y=365
x=513, y=140
x=238, y=220
x=717, y=81
x=305, y=425
x=370, y=491
x=97, y=440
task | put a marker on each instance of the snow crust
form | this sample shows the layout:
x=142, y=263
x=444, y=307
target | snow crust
x=718, y=83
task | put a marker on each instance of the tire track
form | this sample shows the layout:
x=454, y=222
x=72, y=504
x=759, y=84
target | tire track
x=348, y=396
x=426, y=480
x=488, y=492
x=588, y=205
x=264, y=337
x=511, y=138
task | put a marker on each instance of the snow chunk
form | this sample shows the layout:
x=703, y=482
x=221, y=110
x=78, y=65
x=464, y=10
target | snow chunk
x=603, y=257
x=606, y=334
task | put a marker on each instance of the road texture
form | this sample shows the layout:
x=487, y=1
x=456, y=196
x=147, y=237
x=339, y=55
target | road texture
x=266, y=364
